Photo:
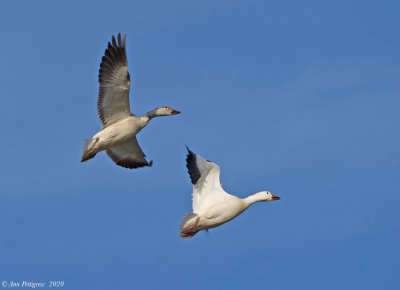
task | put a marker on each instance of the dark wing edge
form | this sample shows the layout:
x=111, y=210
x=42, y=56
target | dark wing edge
x=128, y=155
x=127, y=162
x=191, y=165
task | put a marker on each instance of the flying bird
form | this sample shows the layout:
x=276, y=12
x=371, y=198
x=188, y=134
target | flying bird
x=119, y=125
x=212, y=206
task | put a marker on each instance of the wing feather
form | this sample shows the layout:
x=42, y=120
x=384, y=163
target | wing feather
x=207, y=189
x=128, y=154
x=114, y=83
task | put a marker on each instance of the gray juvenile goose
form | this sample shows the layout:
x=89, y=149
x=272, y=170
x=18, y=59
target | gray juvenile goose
x=119, y=125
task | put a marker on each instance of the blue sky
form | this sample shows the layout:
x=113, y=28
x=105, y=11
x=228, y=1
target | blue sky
x=297, y=97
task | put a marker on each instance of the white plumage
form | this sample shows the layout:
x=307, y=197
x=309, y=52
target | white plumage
x=212, y=206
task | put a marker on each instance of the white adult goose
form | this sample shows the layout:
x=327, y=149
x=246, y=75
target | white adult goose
x=212, y=206
x=119, y=125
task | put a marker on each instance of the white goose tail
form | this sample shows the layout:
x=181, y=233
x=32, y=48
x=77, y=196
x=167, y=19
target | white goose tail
x=187, y=229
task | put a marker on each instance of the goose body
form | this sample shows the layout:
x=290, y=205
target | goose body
x=119, y=132
x=119, y=125
x=212, y=206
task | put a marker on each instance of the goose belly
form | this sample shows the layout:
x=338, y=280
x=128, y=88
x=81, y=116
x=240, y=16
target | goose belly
x=117, y=133
x=221, y=213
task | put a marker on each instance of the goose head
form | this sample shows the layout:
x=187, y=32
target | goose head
x=164, y=111
x=261, y=196
x=268, y=196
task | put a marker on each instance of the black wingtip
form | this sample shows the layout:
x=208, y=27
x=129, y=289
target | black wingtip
x=189, y=151
x=191, y=165
x=119, y=39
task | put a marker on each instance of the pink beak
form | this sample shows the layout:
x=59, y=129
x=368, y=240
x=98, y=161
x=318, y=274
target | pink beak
x=275, y=197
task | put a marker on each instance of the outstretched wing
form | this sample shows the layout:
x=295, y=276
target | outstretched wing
x=207, y=189
x=128, y=154
x=114, y=81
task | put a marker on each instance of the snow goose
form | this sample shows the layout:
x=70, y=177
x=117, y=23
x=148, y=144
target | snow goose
x=212, y=206
x=119, y=126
